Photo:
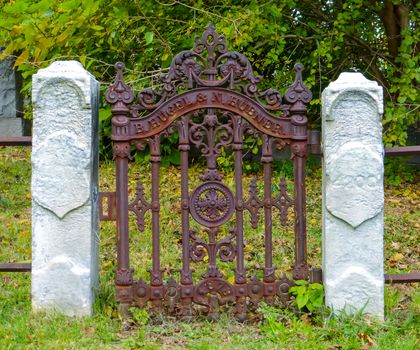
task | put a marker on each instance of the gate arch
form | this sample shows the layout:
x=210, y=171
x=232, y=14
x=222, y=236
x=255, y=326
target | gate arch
x=211, y=97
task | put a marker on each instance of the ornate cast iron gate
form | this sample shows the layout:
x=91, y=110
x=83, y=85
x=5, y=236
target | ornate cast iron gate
x=210, y=96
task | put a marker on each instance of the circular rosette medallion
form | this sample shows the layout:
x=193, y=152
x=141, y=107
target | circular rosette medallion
x=211, y=204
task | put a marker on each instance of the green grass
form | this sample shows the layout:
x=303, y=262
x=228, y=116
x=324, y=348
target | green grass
x=271, y=328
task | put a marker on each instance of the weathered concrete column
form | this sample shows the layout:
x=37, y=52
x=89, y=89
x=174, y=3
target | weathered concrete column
x=64, y=188
x=353, y=195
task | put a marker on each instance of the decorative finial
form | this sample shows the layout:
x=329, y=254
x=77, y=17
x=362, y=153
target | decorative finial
x=119, y=91
x=298, y=91
x=211, y=42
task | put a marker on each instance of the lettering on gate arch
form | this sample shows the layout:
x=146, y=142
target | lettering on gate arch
x=218, y=98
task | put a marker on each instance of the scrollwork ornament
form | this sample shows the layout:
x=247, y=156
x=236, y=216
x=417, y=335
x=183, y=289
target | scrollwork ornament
x=226, y=249
x=199, y=248
x=281, y=143
x=150, y=99
x=209, y=64
x=121, y=150
x=190, y=66
x=301, y=272
x=298, y=149
x=139, y=206
x=123, y=277
x=269, y=274
x=139, y=144
x=272, y=99
x=212, y=204
x=283, y=201
x=172, y=294
x=155, y=277
x=214, y=286
x=232, y=67
x=253, y=204
x=211, y=137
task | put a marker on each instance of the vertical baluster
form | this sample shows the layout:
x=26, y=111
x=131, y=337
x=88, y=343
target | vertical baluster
x=300, y=270
x=156, y=274
x=120, y=96
x=186, y=277
x=123, y=278
x=240, y=277
x=297, y=96
x=269, y=277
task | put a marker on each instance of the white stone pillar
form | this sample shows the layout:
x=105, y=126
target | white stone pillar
x=64, y=189
x=353, y=195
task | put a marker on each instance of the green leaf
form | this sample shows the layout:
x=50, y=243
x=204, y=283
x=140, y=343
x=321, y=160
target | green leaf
x=302, y=300
x=104, y=113
x=148, y=36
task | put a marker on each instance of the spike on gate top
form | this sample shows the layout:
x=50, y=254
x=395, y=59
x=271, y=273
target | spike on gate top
x=298, y=91
x=119, y=93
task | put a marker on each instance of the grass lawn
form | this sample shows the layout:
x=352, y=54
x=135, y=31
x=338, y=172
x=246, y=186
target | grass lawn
x=271, y=328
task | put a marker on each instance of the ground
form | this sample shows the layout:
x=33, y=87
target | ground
x=271, y=328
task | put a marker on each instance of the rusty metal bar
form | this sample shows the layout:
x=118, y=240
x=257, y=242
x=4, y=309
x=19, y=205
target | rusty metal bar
x=267, y=159
x=16, y=267
x=240, y=268
x=122, y=213
x=110, y=212
x=241, y=309
x=123, y=274
x=15, y=140
x=186, y=275
x=315, y=275
x=314, y=142
x=402, y=151
x=156, y=273
x=184, y=147
x=156, y=278
x=402, y=278
x=300, y=270
x=237, y=149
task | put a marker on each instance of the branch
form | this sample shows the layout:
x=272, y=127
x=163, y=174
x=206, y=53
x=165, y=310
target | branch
x=392, y=29
x=377, y=74
x=366, y=46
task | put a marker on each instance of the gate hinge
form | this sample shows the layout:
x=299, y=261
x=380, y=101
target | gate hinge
x=107, y=206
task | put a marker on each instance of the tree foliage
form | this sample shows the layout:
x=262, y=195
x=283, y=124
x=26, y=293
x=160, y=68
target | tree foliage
x=378, y=38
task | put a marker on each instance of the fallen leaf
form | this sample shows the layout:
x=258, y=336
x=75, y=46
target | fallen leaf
x=365, y=338
x=395, y=245
x=90, y=331
x=306, y=318
x=396, y=257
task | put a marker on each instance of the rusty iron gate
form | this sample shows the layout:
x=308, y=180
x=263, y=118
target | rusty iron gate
x=211, y=97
